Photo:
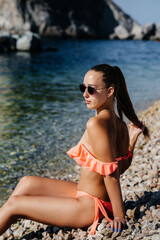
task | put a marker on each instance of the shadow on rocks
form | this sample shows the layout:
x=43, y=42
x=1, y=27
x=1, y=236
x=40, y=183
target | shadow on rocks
x=135, y=210
x=38, y=235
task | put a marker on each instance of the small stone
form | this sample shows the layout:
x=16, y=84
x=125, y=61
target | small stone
x=98, y=236
x=155, y=180
x=156, y=213
x=27, y=223
x=12, y=153
x=147, y=226
x=101, y=226
x=157, y=226
x=133, y=227
x=155, y=237
x=115, y=235
x=9, y=232
x=60, y=233
x=56, y=229
x=68, y=237
x=153, y=185
x=18, y=233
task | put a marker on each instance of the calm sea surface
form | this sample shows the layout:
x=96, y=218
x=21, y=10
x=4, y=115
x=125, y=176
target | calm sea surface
x=42, y=113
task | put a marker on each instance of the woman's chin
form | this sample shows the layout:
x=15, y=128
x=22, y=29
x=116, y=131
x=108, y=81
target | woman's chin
x=90, y=107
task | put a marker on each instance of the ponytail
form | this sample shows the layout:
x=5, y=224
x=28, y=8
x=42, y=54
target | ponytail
x=124, y=104
x=114, y=76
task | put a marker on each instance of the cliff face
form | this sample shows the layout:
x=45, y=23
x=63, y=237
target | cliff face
x=69, y=18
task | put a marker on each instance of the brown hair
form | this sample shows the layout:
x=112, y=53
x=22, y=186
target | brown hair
x=114, y=76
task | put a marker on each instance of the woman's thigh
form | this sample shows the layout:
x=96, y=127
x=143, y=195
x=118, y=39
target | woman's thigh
x=69, y=212
x=40, y=186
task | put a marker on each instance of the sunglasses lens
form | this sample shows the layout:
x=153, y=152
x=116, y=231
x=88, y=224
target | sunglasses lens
x=90, y=90
x=82, y=88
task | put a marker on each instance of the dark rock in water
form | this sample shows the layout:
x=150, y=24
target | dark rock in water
x=7, y=42
x=156, y=37
x=148, y=31
x=27, y=42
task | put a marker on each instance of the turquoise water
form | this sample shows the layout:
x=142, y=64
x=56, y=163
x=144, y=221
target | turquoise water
x=42, y=113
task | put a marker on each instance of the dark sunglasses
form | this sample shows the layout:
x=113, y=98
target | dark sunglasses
x=90, y=89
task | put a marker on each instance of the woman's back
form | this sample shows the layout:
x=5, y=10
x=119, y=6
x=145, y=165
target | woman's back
x=122, y=145
x=118, y=134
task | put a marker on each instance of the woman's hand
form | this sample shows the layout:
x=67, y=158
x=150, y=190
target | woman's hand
x=117, y=224
x=135, y=131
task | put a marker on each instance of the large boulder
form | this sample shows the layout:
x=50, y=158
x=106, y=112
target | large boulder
x=148, y=30
x=29, y=42
x=120, y=32
x=156, y=37
x=145, y=32
x=7, y=42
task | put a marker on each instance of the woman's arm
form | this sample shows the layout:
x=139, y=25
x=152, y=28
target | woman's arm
x=113, y=187
x=134, y=132
x=100, y=137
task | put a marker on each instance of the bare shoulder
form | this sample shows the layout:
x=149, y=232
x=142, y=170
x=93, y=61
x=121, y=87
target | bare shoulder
x=99, y=122
x=99, y=127
x=100, y=135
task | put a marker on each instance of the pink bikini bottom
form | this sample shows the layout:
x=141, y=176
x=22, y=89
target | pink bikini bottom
x=99, y=205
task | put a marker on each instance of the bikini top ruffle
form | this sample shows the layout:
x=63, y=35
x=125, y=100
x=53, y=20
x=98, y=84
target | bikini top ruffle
x=85, y=159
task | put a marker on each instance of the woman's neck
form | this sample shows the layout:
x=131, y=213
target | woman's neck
x=104, y=110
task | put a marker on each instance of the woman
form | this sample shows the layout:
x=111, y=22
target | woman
x=105, y=151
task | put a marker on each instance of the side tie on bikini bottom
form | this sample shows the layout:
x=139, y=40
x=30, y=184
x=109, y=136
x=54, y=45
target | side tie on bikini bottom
x=99, y=204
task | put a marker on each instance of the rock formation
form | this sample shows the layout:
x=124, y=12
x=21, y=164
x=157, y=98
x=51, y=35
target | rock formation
x=69, y=18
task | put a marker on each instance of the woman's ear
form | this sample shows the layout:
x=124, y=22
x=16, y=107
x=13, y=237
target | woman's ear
x=110, y=91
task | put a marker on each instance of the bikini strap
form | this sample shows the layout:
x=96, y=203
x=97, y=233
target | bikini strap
x=98, y=205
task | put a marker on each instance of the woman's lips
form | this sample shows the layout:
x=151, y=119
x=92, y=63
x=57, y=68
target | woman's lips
x=87, y=101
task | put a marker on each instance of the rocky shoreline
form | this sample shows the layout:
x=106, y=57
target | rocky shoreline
x=65, y=19
x=141, y=194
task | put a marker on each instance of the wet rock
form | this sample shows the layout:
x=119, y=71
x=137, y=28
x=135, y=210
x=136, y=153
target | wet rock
x=29, y=42
x=5, y=45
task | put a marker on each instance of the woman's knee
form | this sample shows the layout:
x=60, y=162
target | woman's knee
x=25, y=185
x=11, y=204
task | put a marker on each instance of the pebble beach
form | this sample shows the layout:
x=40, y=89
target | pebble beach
x=141, y=194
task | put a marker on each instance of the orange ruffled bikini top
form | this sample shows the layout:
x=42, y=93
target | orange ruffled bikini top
x=84, y=158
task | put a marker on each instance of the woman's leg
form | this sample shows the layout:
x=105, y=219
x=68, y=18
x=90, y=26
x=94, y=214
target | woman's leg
x=40, y=186
x=59, y=211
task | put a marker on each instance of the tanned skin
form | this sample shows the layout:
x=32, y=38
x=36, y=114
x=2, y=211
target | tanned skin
x=53, y=201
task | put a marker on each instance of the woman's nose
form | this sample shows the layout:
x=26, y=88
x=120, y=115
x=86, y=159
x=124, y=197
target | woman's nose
x=85, y=94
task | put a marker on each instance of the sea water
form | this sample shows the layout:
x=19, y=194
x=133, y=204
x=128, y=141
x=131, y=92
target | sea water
x=42, y=112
